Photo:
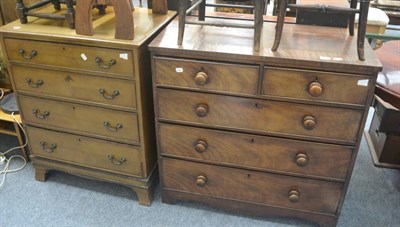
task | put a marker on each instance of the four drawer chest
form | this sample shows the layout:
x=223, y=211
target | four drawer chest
x=261, y=133
x=86, y=102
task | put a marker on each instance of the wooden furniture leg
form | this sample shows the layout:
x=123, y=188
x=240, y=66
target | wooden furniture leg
x=21, y=9
x=70, y=14
x=352, y=17
x=362, y=27
x=40, y=173
x=160, y=6
x=182, y=20
x=279, y=25
x=258, y=23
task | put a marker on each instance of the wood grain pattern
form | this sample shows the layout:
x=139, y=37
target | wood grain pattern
x=250, y=151
x=251, y=186
x=220, y=76
x=80, y=118
x=85, y=151
x=295, y=84
x=79, y=87
x=272, y=117
x=71, y=56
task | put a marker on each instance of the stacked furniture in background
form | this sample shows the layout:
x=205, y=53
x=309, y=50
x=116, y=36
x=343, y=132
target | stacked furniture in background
x=261, y=133
x=87, y=101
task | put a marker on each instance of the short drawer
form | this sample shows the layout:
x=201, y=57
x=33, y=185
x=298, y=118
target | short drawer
x=71, y=56
x=319, y=86
x=259, y=115
x=209, y=76
x=115, y=92
x=261, y=152
x=251, y=186
x=84, y=151
x=104, y=123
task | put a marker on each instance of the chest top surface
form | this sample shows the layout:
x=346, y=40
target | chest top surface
x=302, y=46
x=145, y=24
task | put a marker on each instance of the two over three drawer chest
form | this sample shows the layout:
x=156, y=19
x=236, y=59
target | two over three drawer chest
x=261, y=133
x=86, y=102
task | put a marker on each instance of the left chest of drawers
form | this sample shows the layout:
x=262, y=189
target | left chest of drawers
x=81, y=111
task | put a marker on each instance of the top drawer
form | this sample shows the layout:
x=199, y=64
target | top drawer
x=208, y=76
x=312, y=85
x=71, y=56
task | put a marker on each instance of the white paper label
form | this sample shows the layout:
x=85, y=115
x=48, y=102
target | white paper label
x=325, y=58
x=123, y=56
x=179, y=70
x=338, y=59
x=83, y=56
x=16, y=27
x=362, y=83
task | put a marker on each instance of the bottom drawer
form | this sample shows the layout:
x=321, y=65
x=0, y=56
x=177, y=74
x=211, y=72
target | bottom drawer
x=251, y=186
x=85, y=151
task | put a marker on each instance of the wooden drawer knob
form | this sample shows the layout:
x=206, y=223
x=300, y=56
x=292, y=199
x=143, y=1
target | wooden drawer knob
x=315, y=89
x=309, y=122
x=201, y=110
x=200, y=146
x=294, y=196
x=301, y=159
x=201, y=78
x=201, y=180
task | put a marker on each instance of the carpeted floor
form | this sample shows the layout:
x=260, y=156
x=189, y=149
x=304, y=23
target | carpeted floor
x=373, y=199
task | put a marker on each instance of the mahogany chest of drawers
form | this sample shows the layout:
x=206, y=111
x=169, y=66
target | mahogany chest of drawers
x=261, y=133
x=86, y=102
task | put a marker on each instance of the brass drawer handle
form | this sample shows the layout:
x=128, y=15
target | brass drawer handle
x=101, y=64
x=116, y=162
x=200, y=146
x=29, y=56
x=201, y=180
x=301, y=159
x=113, y=129
x=309, y=122
x=33, y=84
x=49, y=149
x=38, y=115
x=201, y=110
x=201, y=78
x=102, y=92
x=315, y=89
x=294, y=196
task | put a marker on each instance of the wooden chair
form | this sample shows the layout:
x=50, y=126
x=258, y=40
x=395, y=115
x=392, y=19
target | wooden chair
x=24, y=11
x=352, y=10
x=258, y=18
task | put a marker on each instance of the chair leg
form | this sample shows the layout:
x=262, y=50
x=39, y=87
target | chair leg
x=352, y=18
x=70, y=14
x=279, y=24
x=258, y=23
x=182, y=20
x=202, y=10
x=21, y=11
x=362, y=27
x=57, y=4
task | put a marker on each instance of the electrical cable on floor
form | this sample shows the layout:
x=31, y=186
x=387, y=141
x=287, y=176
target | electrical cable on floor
x=8, y=161
x=2, y=93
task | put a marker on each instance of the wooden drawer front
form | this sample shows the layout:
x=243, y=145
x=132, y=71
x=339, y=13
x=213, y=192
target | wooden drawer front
x=259, y=115
x=102, y=90
x=85, y=151
x=102, y=122
x=312, y=85
x=255, y=151
x=71, y=56
x=206, y=75
x=272, y=189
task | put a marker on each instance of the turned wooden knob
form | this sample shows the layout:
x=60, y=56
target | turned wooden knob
x=309, y=122
x=201, y=180
x=200, y=146
x=315, y=89
x=294, y=196
x=201, y=78
x=301, y=159
x=201, y=110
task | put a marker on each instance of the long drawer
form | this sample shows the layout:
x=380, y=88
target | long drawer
x=84, y=151
x=262, y=152
x=316, y=86
x=71, y=56
x=117, y=125
x=259, y=115
x=115, y=92
x=202, y=75
x=251, y=186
